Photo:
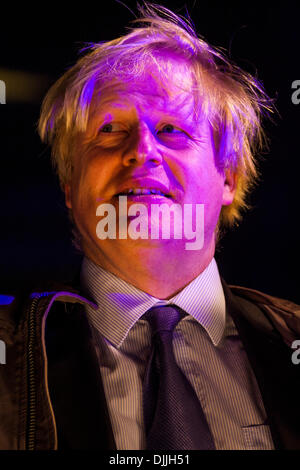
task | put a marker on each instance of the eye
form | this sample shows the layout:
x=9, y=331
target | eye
x=169, y=129
x=110, y=127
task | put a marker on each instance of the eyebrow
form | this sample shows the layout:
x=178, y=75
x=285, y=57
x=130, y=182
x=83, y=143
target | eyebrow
x=171, y=110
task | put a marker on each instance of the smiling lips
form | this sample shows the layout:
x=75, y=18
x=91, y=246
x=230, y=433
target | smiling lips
x=144, y=187
x=142, y=192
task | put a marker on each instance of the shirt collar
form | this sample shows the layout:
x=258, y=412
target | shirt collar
x=121, y=304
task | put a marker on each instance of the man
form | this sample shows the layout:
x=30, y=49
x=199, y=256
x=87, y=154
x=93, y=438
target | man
x=154, y=118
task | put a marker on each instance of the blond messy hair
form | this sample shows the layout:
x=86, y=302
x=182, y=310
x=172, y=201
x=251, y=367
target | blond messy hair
x=232, y=100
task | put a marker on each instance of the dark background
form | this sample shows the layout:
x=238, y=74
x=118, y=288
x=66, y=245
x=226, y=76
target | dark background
x=38, y=45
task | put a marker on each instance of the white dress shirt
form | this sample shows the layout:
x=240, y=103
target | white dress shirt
x=206, y=347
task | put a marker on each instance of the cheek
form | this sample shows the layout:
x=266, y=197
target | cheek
x=83, y=197
x=195, y=168
x=207, y=182
x=91, y=181
x=215, y=185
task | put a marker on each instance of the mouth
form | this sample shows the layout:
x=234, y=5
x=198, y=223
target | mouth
x=143, y=192
x=144, y=188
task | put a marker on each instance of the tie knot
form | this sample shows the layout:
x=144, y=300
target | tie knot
x=163, y=318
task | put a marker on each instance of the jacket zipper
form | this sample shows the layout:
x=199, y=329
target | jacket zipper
x=31, y=417
x=32, y=390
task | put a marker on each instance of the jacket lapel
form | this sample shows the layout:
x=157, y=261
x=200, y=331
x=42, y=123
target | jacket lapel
x=277, y=377
x=75, y=384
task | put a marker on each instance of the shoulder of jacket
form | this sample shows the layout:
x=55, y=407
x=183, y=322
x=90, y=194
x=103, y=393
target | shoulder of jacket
x=266, y=299
x=284, y=314
x=10, y=304
x=13, y=303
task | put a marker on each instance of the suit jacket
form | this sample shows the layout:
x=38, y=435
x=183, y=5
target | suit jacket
x=51, y=390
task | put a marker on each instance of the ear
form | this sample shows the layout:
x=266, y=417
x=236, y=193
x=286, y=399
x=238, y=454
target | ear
x=68, y=196
x=230, y=185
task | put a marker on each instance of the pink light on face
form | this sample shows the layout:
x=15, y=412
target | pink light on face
x=146, y=128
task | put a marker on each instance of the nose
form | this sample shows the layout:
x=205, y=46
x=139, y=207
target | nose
x=143, y=149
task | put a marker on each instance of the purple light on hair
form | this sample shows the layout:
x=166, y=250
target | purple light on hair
x=87, y=93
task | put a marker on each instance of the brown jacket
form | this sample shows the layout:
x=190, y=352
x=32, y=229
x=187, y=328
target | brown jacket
x=51, y=393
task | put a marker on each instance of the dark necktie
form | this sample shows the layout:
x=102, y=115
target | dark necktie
x=173, y=416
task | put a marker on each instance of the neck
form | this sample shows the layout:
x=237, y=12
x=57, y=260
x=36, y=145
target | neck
x=159, y=272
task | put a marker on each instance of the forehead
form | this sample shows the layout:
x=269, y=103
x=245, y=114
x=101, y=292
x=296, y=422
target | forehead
x=159, y=89
x=141, y=102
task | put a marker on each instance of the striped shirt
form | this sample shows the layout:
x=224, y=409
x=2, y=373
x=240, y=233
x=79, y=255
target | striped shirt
x=206, y=347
